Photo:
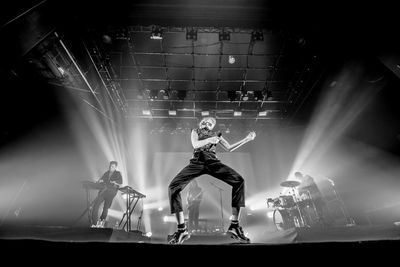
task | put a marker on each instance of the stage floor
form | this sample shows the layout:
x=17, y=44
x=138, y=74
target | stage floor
x=100, y=246
x=290, y=236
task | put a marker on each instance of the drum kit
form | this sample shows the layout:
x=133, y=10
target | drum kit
x=291, y=211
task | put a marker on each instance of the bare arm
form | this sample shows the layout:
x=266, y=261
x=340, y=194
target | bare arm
x=229, y=147
x=196, y=143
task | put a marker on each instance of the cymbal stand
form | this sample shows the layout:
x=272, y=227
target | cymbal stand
x=139, y=223
x=349, y=219
x=314, y=207
x=301, y=221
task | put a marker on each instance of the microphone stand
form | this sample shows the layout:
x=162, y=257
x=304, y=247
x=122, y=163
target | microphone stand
x=139, y=223
x=350, y=220
x=220, y=197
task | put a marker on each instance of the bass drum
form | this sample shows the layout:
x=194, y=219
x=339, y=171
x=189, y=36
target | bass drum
x=283, y=220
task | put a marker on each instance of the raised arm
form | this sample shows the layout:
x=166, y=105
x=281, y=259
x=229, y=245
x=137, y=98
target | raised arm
x=228, y=147
x=196, y=143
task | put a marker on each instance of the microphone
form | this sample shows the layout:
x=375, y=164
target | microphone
x=219, y=135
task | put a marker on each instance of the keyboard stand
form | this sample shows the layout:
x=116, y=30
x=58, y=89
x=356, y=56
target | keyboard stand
x=131, y=196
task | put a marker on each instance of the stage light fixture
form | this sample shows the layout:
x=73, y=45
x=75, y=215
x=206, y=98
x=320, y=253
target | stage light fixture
x=121, y=34
x=257, y=36
x=106, y=39
x=258, y=96
x=153, y=94
x=224, y=36
x=191, y=34
x=232, y=95
x=181, y=94
x=237, y=112
x=205, y=113
x=269, y=95
x=156, y=33
x=244, y=96
x=250, y=95
x=165, y=94
x=262, y=113
x=146, y=112
x=61, y=70
x=172, y=112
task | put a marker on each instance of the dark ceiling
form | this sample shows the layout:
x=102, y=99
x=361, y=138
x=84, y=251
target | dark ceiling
x=198, y=75
x=263, y=58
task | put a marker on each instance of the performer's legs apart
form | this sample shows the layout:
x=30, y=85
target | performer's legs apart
x=231, y=177
x=181, y=180
x=234, y=228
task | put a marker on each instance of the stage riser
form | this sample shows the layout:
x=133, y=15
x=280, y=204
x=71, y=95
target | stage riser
x=298, y=235
x=72, y=234
x=347, y=234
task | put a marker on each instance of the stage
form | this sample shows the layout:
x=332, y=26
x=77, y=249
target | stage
x=290, y=236
x=336, y=245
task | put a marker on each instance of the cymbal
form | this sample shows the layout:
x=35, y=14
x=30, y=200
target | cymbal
x=290, y=183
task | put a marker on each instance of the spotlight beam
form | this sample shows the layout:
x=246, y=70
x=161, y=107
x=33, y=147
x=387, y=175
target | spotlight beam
x=79, y=70
x=337, y=110
x=101, y=112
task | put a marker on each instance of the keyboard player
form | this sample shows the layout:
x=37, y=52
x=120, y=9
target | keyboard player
x=111, y=180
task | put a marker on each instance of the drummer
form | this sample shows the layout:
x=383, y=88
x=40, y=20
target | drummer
x=308, y=189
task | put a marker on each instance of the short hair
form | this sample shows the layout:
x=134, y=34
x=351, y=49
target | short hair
x=113, y=163
x=214, y=121
x=297, y=174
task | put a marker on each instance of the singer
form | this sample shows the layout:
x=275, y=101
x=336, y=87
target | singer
x=205, y=161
